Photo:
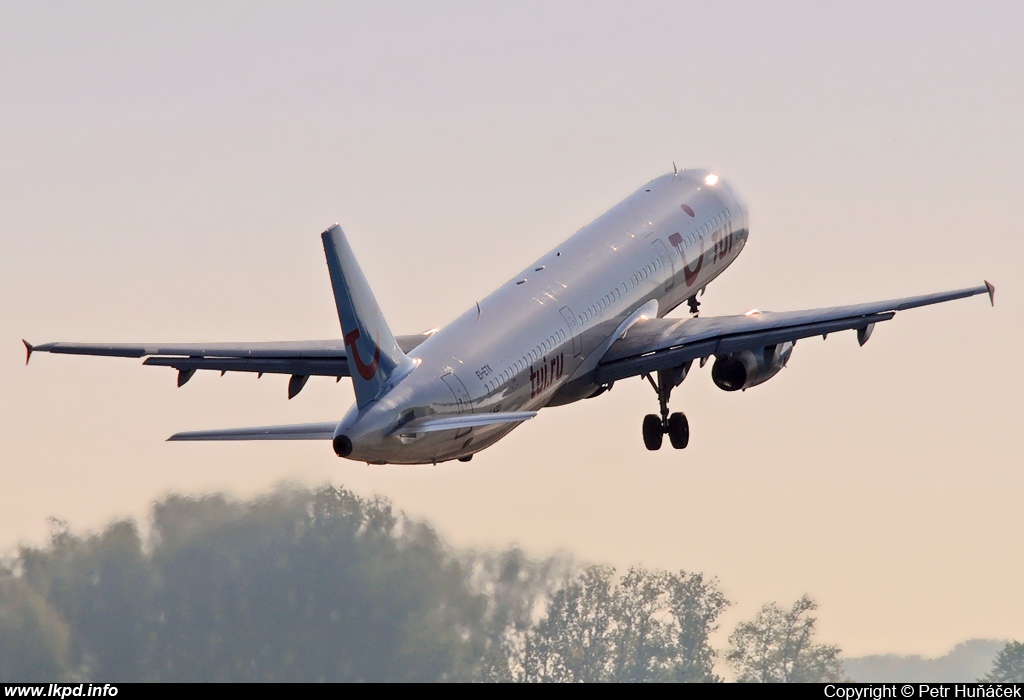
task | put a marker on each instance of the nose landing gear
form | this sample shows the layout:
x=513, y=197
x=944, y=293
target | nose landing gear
x=675, y=425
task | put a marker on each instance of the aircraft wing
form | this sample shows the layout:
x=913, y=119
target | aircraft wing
x=664, y=343
x=299, y=358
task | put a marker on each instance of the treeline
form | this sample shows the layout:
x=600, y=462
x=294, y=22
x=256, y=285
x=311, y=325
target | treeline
x=328, y=586
x=966, y=662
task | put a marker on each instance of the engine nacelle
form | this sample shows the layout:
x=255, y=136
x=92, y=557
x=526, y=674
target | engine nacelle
x=742, y=370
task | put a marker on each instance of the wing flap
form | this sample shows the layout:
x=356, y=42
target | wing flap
x=298, y=431
x=319, y=367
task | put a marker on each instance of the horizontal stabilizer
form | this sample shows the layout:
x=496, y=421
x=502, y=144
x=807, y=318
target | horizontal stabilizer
x=299, y=431
x=430, y=424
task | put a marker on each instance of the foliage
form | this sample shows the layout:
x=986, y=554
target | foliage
x=33, y=637
x=1008, y=666
x=328, y=586
x=648, y=626
x=295, y=586
x=515, y=588
x=964, y=663
x=777, y=647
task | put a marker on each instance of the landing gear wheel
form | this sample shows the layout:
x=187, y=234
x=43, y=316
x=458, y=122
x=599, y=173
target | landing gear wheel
x=653, y=432
x=678, y=430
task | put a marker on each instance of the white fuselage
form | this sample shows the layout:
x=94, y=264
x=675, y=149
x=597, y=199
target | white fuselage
x=536, y=340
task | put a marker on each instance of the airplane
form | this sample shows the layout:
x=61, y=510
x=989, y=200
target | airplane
x=585, y=315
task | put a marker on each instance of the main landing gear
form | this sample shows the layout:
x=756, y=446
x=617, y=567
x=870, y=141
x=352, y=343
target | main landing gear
x=675, y=425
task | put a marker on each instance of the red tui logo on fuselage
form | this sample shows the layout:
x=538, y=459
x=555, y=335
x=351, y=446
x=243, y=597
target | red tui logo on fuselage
x=689, y=274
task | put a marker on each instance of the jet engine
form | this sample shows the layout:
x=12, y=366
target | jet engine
x=741, y=370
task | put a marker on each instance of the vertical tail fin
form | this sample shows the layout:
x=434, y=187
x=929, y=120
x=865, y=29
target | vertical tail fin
x=373, y=352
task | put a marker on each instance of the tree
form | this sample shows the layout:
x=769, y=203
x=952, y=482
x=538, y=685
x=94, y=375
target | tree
x=648, y=626
x=33, y=637
x=695, y=604
x=102, y=587
x=1008, y=666
x=293, y=586
x=323, y=586
x=515, y=589
x=329, y=586
x=573, y=643
x=777, y=647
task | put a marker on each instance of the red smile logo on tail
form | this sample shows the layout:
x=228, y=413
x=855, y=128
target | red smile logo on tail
x=366, y=371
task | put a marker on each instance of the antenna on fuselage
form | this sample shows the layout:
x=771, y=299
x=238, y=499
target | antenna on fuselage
x=675, y=170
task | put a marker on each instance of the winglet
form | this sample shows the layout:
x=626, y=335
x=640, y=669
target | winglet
x=991, y=293
x=28, y=350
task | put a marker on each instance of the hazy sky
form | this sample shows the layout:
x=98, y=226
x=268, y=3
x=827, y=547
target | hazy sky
x=166, y=169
